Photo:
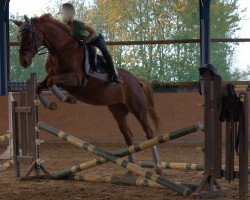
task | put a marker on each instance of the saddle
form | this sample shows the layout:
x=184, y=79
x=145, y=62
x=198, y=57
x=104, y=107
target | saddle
x=95, y=66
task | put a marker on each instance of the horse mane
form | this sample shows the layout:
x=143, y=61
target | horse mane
x=49, y=18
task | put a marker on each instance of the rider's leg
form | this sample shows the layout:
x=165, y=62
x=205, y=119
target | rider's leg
x=101, y=44
x=92, y=55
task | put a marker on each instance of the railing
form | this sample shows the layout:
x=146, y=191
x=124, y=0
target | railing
x=170, y=87
x=180, y=41
x=165, y=87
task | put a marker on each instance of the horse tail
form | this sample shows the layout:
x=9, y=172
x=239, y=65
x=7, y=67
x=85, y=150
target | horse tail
x=151, y=105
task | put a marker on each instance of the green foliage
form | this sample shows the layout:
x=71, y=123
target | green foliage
x=225, y=16
x=17, y=72
x=154, y=20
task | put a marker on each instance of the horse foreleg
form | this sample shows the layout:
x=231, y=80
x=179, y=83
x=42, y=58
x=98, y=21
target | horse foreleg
x=42, y=85
x=42, y=98
x=67, y=81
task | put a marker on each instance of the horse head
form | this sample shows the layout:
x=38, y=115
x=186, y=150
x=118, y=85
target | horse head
x=29, y=41
x=41, y=31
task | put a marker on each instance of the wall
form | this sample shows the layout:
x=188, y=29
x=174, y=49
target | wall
x=96, y=124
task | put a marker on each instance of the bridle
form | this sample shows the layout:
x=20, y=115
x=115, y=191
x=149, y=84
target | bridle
x=34, y=49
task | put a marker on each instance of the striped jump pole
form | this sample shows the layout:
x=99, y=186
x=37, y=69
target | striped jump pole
x=126, y=181
x=127, y=151
x=115, y=159
x=6, y=165
x=172, y=165
x=181, y=166
x=5, y=137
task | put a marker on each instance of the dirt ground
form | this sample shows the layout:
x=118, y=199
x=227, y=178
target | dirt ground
x=96, y=125
x=60, y=155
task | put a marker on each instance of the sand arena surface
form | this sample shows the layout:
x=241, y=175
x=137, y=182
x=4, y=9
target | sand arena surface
x=60, y=155
x=96, y=125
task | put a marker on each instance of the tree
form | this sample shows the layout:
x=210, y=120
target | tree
x=158, y=20
x=17, y=72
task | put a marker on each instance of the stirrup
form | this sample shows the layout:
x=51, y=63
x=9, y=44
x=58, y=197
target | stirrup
x=116, y=79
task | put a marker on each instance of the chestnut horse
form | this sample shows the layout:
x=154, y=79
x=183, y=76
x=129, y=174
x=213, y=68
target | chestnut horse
x=65, y=69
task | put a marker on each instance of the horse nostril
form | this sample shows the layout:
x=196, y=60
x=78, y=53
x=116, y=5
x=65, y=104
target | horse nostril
x=24, y=63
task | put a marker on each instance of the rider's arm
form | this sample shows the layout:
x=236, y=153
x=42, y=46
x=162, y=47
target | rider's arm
x=91, y=32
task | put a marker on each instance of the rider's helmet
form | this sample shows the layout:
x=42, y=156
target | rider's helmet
x=67, y=12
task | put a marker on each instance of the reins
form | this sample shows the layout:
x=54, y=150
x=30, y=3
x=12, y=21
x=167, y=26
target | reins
x=34, y=49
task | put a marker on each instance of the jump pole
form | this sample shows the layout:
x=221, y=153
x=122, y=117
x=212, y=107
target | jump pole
x=6, y=137
x=115, y=159
x=8, y=154
x=172, y=165
x=6, y=165
x=182, y=166
x=125, y=181
x=124, y=152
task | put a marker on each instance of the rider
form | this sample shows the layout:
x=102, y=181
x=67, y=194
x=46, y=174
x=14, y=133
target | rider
x=81, y=30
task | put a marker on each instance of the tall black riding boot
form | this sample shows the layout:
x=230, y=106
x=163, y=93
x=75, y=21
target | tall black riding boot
x=92, y=57
x=114, y=76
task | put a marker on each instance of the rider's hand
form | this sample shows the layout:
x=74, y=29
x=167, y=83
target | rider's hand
x=82, y=42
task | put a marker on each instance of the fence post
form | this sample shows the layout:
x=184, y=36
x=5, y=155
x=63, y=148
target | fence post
x=243, y=149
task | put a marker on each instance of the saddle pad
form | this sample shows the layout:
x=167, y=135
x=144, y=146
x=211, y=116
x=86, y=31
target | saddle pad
x=89, y=71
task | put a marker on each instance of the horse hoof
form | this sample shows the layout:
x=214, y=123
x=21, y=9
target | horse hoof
x=71, y=100
x=39, y=89
x=158, y=170
x=52, y=106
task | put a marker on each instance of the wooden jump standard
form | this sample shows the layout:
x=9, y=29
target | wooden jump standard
x=24, y=118
x=121, y=161
x=212, y=90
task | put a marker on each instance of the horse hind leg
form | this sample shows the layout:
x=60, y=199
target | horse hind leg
x=120, y=113
x=143, y=120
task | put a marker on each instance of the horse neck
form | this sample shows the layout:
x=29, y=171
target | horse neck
x=64, y=49
x=54, y=38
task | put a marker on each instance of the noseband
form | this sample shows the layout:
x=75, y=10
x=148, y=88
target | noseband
x=34, y=49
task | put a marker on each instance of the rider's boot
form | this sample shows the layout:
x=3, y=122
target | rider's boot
x=114, y=76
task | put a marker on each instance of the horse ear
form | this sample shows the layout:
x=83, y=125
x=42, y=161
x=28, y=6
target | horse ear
x=18, y=23
x=27, y=20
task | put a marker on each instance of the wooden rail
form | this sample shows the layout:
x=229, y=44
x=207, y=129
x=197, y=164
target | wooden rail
x=153, y=42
